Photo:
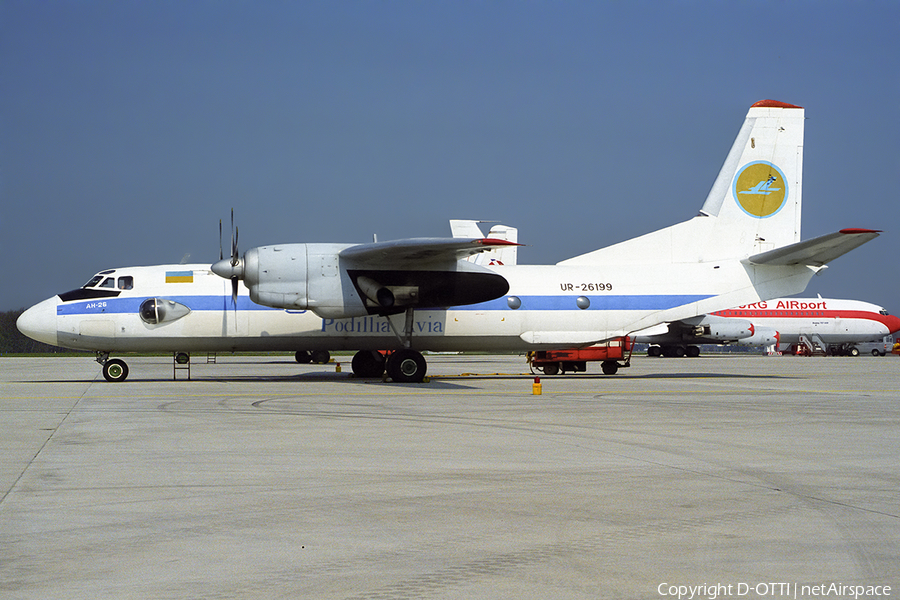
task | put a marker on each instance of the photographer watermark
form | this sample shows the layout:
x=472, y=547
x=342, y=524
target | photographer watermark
x=770, y=589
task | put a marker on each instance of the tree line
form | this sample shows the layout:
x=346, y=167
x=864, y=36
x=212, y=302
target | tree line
x=13, y=342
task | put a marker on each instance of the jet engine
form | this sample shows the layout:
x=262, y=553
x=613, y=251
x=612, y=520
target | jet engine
x=762, y=336
x=720, y=328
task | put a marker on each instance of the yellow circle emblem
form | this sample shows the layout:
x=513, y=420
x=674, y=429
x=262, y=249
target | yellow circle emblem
x=760, y=189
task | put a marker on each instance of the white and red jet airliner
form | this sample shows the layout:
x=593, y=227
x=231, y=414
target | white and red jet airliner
x=835, y=325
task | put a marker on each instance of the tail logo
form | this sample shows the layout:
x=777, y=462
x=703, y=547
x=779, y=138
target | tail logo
x=760, y=189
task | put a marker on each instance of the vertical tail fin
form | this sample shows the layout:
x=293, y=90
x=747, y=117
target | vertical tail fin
x=753, y=206
x=758, y=190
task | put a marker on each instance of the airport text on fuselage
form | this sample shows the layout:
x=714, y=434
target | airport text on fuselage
x=786, y=305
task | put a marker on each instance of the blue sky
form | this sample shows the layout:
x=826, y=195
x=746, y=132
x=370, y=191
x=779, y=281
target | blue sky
x=128, y=129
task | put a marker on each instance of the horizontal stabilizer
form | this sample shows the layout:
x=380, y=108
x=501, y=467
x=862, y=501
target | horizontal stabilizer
x=817, y=251
x=420, y=250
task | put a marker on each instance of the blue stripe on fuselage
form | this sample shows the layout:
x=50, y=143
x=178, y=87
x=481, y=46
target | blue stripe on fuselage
x=132, y=305
x=620, y=302
x=216, y=303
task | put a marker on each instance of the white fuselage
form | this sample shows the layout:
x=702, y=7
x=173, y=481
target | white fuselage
x=546, y=307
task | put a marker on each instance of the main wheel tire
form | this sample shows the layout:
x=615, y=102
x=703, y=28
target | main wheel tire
x=115, y=370
x=368, y=363
x=302, y=357
x=320, y=357
x=406, y=366
x=669, y=351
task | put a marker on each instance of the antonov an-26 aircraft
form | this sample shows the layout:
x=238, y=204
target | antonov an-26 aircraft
x=420, y=294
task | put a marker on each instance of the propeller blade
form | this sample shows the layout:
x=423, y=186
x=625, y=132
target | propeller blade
x=234, y=256
x=234, y=291
x=220, y=239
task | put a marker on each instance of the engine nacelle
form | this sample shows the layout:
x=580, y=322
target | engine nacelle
x=762, y=336
x=302, y=277
x=721, y=329
x=315, y=277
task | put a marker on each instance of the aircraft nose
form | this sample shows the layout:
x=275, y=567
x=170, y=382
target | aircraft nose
x=893, y=324
x=39, y=321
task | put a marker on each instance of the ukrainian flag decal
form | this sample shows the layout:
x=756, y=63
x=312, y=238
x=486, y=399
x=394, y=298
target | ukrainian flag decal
x=179, y=277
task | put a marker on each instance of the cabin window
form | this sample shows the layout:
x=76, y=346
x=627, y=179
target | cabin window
x=126, y=283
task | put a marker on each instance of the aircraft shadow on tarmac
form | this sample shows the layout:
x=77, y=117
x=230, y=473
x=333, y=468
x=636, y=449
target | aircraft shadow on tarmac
x=435, y=382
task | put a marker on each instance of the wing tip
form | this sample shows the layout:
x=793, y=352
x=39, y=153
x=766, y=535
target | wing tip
x=854, y=230
x=496, y=242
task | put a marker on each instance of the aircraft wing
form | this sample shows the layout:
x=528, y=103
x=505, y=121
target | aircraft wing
x=423, y=272
x=414, y=252
x=817, y=251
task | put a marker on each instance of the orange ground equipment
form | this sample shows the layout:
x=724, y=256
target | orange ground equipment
x=612, y=355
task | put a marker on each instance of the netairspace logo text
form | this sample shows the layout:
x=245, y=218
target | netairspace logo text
x=712, y=591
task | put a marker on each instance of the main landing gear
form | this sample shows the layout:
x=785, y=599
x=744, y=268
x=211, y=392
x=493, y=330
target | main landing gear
x=406, y=366
x=319, y=357
x=677, y=351
x=403, y=366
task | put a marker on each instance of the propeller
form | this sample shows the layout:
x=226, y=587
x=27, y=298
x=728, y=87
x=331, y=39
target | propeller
x=231, y=268
x=235, y=261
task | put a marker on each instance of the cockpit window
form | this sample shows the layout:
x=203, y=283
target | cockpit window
x=94, y=281
x=109, y=282
x=126, y=283
x=884, y=312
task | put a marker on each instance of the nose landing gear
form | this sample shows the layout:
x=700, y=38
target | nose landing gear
x=114, y=369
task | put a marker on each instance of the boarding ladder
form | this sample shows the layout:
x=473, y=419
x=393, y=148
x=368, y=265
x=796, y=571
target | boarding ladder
x=814, y=344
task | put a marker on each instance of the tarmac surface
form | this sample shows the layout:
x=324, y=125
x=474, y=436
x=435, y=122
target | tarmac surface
x=262, y=478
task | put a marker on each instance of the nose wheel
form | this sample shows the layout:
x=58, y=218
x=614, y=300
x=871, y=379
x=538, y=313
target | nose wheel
x=115, y=370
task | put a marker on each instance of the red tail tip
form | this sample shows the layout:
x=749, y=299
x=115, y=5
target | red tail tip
x=773, y=104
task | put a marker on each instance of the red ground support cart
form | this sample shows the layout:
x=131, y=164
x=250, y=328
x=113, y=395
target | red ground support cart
x=612, y=354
